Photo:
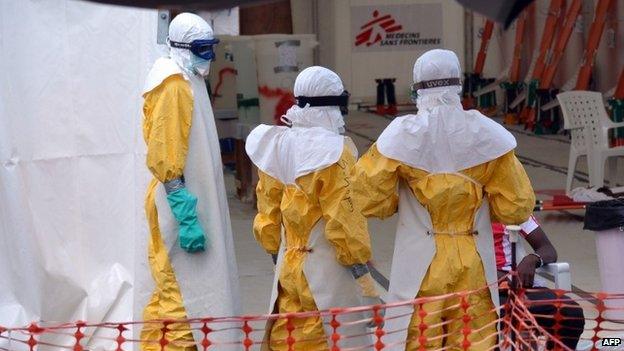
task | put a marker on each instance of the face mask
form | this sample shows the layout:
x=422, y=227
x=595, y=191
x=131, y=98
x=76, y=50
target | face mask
x=199, y=65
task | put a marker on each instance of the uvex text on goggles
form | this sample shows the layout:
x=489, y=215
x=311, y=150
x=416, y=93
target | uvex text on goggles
x=202, y=48
x=436, y=83
x=341, y=101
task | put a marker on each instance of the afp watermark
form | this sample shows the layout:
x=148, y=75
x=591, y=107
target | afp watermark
x=612, y=344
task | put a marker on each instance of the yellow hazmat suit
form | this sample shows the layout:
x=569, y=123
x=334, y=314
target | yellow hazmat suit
x=322, y=194
x=452, y=202
x=183, y=150
x=307, y=215
x=167, y=145
x=441, y=169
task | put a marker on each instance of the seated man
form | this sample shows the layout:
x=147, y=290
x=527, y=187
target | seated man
x=572, y=319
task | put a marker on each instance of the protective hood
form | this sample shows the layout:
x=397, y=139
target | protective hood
x=185, y=28
x=440, y=72
x=316, y=81
x=312, y=143
x=443, y=137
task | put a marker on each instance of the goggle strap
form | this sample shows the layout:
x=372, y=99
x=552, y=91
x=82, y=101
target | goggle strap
x=318, y=101
x=176, y=44
x=436, y=83
x=208, y=42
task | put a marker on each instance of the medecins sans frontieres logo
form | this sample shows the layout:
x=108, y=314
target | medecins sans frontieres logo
x=371, y=32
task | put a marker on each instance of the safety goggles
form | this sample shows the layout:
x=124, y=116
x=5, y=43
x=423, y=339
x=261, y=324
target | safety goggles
x=341, y=101
x=202, y=48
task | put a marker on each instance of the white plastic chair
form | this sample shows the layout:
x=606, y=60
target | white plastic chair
x=597, y=135
x=560, y=271
x=574, y=110
x=585, y=115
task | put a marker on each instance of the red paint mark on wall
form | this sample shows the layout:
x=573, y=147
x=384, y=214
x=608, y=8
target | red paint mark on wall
x=222, y=73
x=286, y=101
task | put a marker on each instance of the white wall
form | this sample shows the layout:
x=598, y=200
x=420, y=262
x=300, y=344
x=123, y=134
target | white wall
x=610, y=56
x=302, y=14
x=223, y=22
x=359, y=70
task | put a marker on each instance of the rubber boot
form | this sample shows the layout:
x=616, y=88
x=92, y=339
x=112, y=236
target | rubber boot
x=468, y=101
x=511, y=92
x=390, y=94
x=546, y=120
x=617, y=134
x=381, y=93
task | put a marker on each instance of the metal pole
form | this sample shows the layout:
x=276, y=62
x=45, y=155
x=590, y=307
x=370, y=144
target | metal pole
x=514, y=233
x=162, y=31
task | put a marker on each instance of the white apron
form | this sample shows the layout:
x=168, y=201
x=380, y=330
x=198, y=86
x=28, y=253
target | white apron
x=331, y=284
x=287, y=154
x=441, y=138
x=208, y=280
x=414, y=250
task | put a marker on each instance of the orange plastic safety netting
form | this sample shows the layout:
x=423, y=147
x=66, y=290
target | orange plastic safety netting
x=533, y=319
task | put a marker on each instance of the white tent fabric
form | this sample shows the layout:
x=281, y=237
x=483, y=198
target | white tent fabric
x=72, y=159
x=223, y=22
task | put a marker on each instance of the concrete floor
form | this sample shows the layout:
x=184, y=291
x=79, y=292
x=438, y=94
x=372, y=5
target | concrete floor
x=545, y=159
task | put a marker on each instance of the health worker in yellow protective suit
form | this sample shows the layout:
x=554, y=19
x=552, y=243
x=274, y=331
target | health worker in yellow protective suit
x=307, y=219
x=190, y=249
x=446, y=171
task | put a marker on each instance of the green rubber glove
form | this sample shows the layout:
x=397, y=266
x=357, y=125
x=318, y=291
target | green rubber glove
x=183, y=205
